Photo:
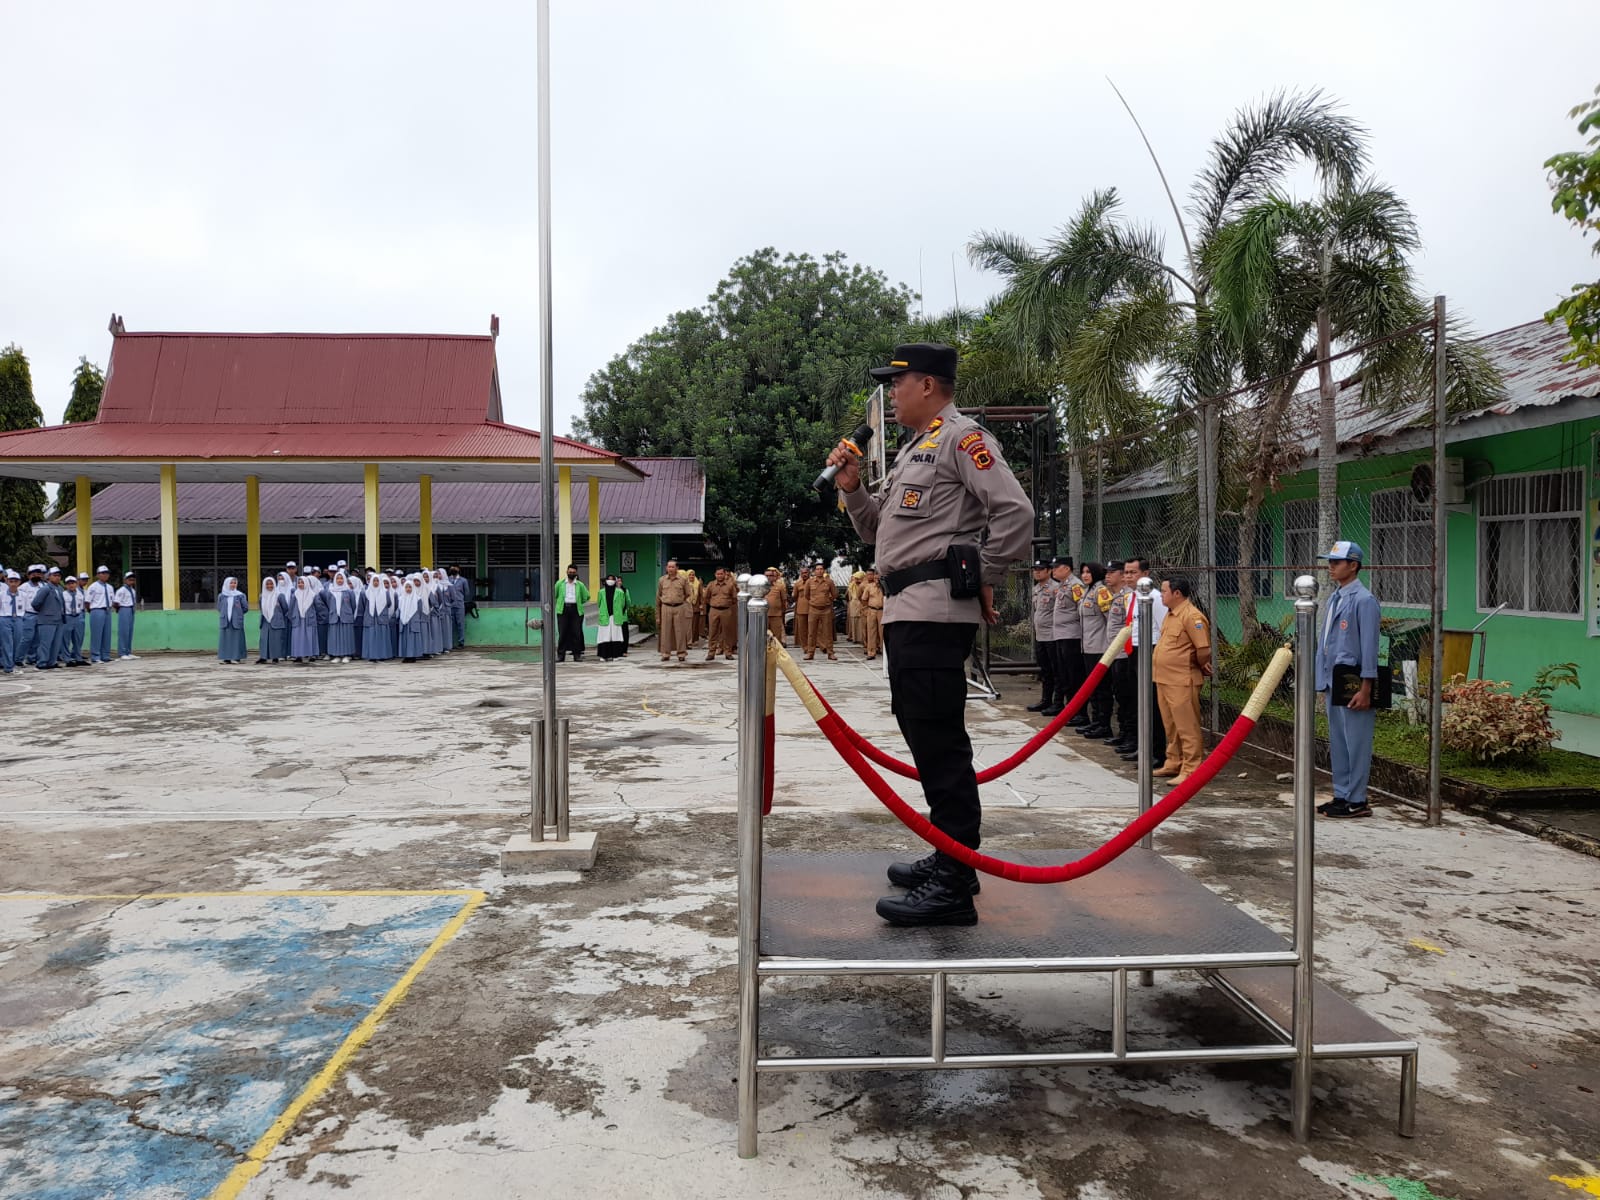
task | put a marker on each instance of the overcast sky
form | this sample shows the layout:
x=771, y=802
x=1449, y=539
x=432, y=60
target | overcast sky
x=340, y=166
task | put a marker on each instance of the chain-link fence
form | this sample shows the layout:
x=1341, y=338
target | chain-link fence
x=1242, y=520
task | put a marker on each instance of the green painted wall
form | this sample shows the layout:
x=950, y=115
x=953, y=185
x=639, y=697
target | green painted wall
x=1517, y=646
x=648, y=567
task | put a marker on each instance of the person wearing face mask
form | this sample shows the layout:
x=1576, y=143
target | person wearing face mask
x=571, y=596
x=28, y=623
x=611, y=616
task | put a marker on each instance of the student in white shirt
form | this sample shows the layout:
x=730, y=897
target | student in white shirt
x=100, y=596
x=124, y=601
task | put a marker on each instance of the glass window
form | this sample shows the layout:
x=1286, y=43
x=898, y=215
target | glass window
x=1530, y=543
x=1400, y=558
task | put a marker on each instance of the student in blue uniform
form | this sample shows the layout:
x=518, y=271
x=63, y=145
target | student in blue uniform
x=303, y=601
x=99, y=595
x=272, y=627
x=124, y=602
x=458, y=606
x=69, y=649
x=10, y=620
x=231, y=608
x=49, y=610
x=413, y=643
x=29, y=627
x=341, y=619
x=1348, y=647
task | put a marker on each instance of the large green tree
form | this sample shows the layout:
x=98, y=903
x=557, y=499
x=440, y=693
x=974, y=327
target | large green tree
x=21, y=500
x=1575, y=180
x=757, y=384
x=88, y=386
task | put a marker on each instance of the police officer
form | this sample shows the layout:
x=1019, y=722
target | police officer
x=949, y=487
x=1044, y=618
x=1124, y=673
x=1092, y=612
x=1068, y=639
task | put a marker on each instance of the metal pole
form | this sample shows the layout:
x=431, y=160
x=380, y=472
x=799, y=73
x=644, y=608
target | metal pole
x=547, y=421
x=560, y=818
x=1440, y=533
x=536, y=781
x=752, y=715
x=1206, y=470
x=1305, y=743
x=1144, y=623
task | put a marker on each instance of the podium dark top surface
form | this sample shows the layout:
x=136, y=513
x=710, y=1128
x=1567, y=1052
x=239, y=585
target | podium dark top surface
x=820, y=906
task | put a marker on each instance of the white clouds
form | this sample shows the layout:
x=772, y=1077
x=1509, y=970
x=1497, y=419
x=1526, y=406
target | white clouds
x=372, y=166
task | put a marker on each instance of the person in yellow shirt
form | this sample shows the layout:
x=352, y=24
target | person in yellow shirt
x=1180, y=666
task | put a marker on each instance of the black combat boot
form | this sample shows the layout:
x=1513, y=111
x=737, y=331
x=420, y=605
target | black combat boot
x=944, y=898
x=915, y=874
x=1043, y=703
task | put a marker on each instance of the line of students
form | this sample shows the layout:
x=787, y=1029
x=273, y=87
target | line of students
x=44, y=619
x=306, y=618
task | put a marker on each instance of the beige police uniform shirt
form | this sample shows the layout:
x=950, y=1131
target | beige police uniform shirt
x=948, y=485
x=1068, y=623
x=1176, y=660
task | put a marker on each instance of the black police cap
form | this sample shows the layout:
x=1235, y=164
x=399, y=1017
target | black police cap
x=1061, y=560
x=925, y=358
x=1041, y=564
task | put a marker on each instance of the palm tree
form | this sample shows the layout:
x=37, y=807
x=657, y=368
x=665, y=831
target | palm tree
x=1099, y=281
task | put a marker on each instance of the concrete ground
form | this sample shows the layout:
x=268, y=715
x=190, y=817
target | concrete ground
x=213, y=877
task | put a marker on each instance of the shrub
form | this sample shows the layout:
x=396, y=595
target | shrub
x=1488, y=723
x=642, y=617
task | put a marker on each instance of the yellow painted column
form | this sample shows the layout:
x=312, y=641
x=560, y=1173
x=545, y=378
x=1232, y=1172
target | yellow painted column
x=252, y=535
x=85, y=528
x=170, y=599
x=370, y=479
x=425, y=509
x=564, y=512
x=594, y=533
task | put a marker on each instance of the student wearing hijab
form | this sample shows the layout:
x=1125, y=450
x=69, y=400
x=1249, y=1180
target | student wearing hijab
x=303, y=602
x=273, y=626
x=439, y=613
x=341, y=619
x=231, y=607
x=389, y=619
x=125, y=601
x=369, y=644
x=610, y=641
x=410, y=619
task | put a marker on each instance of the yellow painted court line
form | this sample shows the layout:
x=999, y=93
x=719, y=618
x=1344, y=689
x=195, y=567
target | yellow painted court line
x=1579, y=1183
x=268, y=1142
x=54, y=896
x=1419, y=944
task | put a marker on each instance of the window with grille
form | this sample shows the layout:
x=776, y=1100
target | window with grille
x=458, y=548
x=1530, y=543
x=513, y=560
x=277, y=549
x=401, y=550
x=1299, y=541
x=1400, y=558
x=1228, y=557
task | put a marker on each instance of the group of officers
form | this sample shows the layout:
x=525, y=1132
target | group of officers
x=688, y=609
x=50, y=618
x=1077, y=613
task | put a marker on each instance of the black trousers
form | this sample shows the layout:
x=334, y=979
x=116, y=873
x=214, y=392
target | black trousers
x=928, y=695
x=1044, y=655
x=569, y=622
x=1125, y=694
x=1069, y=668
x=1100, y=700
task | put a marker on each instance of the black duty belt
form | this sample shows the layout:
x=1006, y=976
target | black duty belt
x=896, y=582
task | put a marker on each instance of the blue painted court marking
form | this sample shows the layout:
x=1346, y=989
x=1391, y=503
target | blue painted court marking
x=153, y=1047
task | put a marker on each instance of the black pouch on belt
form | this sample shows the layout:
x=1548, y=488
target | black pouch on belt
x=966, y=572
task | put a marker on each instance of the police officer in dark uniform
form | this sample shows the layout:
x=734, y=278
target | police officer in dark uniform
x=949, y=487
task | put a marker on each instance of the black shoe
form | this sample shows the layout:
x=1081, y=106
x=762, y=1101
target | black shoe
x=1121, y=742
x=1343, y=808
x=945, y=898
x=1099, y=733
x=1326, y=805
x=1050, y=710
x=1077, y=722
x=1043, y=704
x=914, y=874
x=1131, y=754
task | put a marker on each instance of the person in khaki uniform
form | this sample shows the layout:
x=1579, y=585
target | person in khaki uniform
x=852, y=609
x=949, y=489
x=1180, y=664
x=673, y=598
x=722, y=598
x=870, y=595
x=697, y=608
x=802, y=613
x=820, y=594
x=777, y=602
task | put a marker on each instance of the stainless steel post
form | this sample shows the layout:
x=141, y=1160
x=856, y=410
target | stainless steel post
x=536, y=780
x=547, y=424
x=560, y=818
x=1305, y=743
x=752, y=715
x=1144, y=624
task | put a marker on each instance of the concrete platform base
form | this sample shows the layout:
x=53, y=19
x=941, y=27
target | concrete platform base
x=521, y=854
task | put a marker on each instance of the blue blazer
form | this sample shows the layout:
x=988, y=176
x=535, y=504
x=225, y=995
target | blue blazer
x=49, y=604
x=234, y=620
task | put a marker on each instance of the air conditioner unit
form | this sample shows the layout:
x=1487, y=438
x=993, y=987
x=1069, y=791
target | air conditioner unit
x=1454, y=489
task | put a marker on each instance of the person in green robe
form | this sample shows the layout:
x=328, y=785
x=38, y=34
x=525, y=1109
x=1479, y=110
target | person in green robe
x=611, y=637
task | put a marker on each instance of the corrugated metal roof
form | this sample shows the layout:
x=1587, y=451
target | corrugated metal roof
x=671, y=494
x=293, y=378
x=345, y=442
x=1530, y=361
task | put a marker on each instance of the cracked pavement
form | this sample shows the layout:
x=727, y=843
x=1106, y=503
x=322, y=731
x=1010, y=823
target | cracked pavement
x=577, y=1037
